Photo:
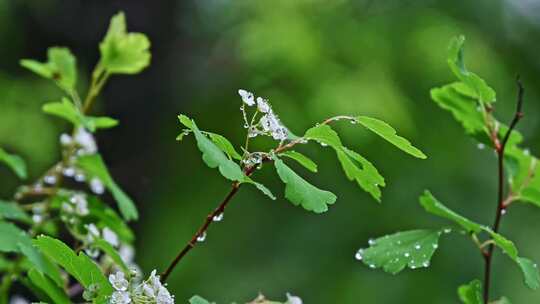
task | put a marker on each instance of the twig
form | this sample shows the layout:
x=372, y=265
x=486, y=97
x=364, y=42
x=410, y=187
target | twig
x=501, y=206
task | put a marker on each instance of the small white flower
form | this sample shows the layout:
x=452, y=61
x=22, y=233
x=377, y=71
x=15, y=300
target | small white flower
x=293, y=299
x=262, y=105
x=97, y=186
x=120, y=297
x=147, y=290
x=154, y=280
x=110, y=236
x=65, y=139
x=81, y=205
x=118, y=281
x=93, y=232
x=126, y=253
x=16, y=299
x=164, y=297
x=37, y=218
x=247, y=97
x=86, y=141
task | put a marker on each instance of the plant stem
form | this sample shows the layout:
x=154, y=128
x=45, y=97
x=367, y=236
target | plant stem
x=501, y=206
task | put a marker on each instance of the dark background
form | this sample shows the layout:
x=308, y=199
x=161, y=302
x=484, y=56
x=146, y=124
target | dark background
x=312, y=59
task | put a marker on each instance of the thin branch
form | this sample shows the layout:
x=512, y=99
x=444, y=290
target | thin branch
x=501, y=206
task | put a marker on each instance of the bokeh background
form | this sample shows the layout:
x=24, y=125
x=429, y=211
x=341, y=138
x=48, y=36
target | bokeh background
x=312, y=59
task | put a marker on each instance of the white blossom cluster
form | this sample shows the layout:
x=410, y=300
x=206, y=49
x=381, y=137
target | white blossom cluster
x=269, y=124
x=128, y=290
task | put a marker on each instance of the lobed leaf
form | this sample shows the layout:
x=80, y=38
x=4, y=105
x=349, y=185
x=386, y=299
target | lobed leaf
x=123, y=52
x=471, y=293
x=386, y=131
x=93, y=166
x=299, y=192
x=14, y=162
x=61, y=66
x=392, y=253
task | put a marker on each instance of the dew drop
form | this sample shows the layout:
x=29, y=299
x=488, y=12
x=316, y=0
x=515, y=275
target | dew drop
x=371, y=242
x=447, y=230
x=359, y=255
x=417, y=247
x=425, y=264
x=323, y=144
x=372, y=266
x=481, y=146
x=435, y=246
x=503, y=211
x=201, y=237
x=218, y=217
x=406, y=254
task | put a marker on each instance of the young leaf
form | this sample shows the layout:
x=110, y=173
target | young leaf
x=299, y=192
x=301, y=159
x=386, y=131
x=56, y=293
x=433, y=206
x=12, y=211
x=67, y=110
x=14, y=162
x=359, y=169
x=471, y=293
x=530, y=272
x=455, y=60
x=325, y=135
x=61, y=67
x=93, y=166
x=394, y=252
x=123, y=52
x=81, y=267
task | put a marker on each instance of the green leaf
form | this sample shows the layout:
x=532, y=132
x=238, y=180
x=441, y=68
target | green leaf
x=299, y=192
x=93, y=166
x=463, y=108
x=13, y=239
x=225, y=145
x=359, y=169
x=325, y=135
x=530, y=272
x=198, y=300
x=476, y=84
x=433, y=206
x=259, y=186
x=111, y=252
x=68, y=111
x=354, y=165
x=12, y=211
x=301, y=159
x=394, y=252
x=57, y=294
x=386, y=131
x=61, y=67
x=213, y=156
x=503, y=300
x=123, y=52
x=503, y=243
x=14, y=162
x=471, y=293
x=81, y=267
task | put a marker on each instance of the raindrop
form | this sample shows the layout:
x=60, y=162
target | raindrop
x=481, y=146
x=447, y=230
x=435, y=246
x=354, y=121
x=372, y=266
x=323, y=144
x=406, y=254
x=417, y=247
x=218, y=217
x=503, y=211
x=201, y=237
x=371, y=242
x=359, y=255
x=526, y=152
x=425, y=264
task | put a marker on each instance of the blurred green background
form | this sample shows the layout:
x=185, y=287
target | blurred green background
x=312, y=59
